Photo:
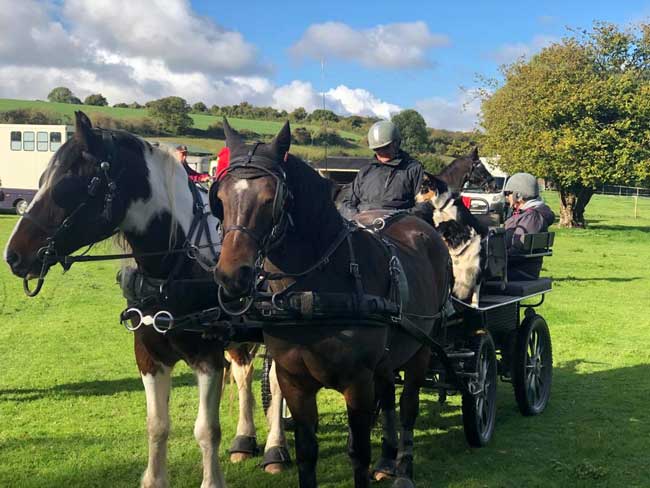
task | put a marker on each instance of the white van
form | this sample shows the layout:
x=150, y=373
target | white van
x=25, y=150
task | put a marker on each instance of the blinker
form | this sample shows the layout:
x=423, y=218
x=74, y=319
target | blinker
x=68, y=192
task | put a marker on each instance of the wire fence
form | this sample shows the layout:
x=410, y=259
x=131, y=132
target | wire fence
x=623, y=191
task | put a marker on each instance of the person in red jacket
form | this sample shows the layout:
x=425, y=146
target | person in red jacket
x=195, y=176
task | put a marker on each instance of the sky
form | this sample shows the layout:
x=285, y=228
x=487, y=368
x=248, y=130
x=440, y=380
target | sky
x=362, y=57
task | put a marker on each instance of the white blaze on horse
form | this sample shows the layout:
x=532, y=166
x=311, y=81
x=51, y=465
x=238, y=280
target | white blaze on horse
x=104, y=182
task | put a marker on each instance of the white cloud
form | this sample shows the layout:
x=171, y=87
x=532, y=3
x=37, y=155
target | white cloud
x=391, y=46
x=460, y=113
x=138, y=51
x=508, y=53
x=361, y=102
x=342, y=100
x=162, y=29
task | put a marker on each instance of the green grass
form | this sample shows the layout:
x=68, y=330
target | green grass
x=304, y=152
x=72, y=408
x=264, y=127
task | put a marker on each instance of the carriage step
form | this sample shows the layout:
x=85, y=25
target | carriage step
x=461, y=355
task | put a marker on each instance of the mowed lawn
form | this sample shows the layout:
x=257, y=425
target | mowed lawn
x=72, y=408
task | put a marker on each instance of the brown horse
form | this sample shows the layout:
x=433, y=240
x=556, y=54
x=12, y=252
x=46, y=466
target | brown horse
x=100, y=182
x=275, y=208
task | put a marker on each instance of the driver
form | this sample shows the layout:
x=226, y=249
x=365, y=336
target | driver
x=530, y=215
x=390, y=181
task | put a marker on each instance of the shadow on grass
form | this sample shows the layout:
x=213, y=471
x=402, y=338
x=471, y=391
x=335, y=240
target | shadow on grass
x=600, y=278
x=640, y=228
x=86, y=388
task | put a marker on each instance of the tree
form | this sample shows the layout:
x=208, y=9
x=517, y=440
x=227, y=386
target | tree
x=413, y=130
x=62, y=94
x=577, y=113
x=199, y=108
x=299, y=114
x=121, y=105
x=322, y=114
x=171, y=113
x=96, y=99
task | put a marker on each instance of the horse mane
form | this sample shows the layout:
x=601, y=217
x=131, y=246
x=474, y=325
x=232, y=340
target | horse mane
x=164, y=158
x=312, y=195
x=452, y=167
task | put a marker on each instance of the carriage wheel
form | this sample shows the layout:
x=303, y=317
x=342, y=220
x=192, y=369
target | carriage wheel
x=479, y=408
x=532, y=366
x=267, y=396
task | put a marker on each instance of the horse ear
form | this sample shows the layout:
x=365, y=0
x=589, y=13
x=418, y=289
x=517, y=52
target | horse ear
x=474, y=153
x=233, y=139
x=82, y=127
x=282, y=142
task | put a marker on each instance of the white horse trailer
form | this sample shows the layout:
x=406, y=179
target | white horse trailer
x=25, y=150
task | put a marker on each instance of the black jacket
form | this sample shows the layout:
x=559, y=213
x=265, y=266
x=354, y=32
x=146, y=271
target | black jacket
x=392, y=185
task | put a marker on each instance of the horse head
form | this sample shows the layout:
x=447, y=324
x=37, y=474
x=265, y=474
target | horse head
x=77, y=203
x=479, y=176
x=251, y=198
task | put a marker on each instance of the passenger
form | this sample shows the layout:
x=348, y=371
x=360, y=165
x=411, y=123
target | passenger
x=390, y=181
x=530, y=215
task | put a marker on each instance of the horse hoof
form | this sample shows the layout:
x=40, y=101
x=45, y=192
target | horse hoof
x=403, y=483
x=238, y=457
x=274, y=468
x=379, y=476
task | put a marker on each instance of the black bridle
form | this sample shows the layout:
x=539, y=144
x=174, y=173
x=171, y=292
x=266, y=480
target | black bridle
x=101, y=178
x=257, y=166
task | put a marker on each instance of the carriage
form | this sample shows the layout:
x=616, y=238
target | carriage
x=503, y=337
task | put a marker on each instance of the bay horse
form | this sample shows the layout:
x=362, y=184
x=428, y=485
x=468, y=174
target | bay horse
x=278, y=211
x=100, y=182
x=466, y=169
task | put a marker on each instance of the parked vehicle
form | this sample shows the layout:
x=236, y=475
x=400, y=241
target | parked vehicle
x=490, y=206
x=25, y=151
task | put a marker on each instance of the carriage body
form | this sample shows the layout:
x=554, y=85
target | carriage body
x=507, y=330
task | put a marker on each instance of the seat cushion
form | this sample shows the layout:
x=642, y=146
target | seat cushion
x=518, y=288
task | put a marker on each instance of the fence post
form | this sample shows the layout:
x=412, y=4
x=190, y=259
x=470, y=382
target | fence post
x=636, y=203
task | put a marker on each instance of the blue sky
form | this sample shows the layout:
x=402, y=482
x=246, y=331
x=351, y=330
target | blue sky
x=476, y=31
x=379, y=57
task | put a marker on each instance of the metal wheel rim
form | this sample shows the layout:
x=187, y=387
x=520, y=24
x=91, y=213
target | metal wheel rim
x=536, y=370
x=484, y=403
x=21, y=207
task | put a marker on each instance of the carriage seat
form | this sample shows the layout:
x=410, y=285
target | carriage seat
x=518, y=288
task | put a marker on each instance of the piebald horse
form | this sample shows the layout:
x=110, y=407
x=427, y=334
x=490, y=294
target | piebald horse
x=278, y=211
x=100, y=182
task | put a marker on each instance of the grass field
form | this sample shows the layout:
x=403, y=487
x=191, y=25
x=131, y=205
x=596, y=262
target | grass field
x=264, y=127
x=72, y=409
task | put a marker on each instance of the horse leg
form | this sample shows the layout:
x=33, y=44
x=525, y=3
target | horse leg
x=409, y=407
x=157, y=387
x=244, y=446
x=360, y=401
x=300, y=394
x=276, y=451
x=386, y=466
x=207, y=429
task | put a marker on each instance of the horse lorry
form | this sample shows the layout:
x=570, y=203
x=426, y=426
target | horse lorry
x=25, y=150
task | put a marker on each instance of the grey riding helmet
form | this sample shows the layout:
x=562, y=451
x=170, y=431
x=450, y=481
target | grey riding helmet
x=523, y=185
x=382, y=133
